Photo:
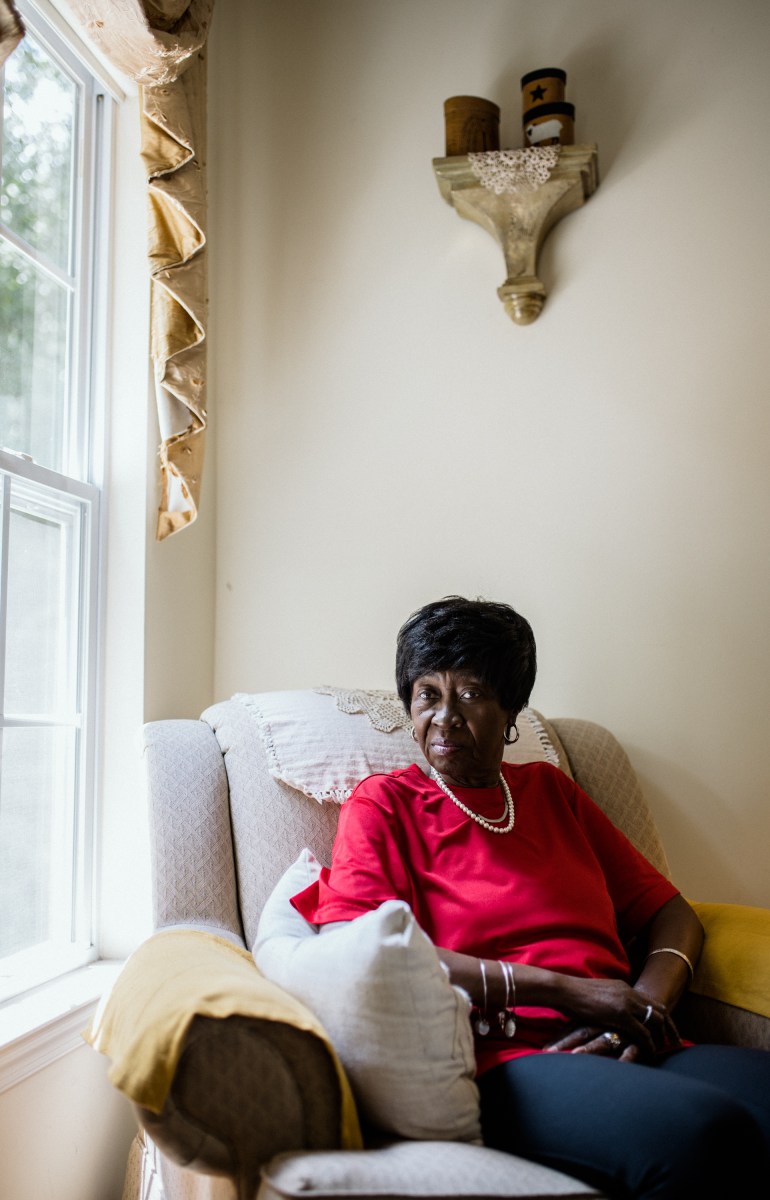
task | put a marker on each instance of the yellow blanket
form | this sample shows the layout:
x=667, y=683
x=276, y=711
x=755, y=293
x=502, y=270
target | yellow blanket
x=735, y=964
x=177, y=975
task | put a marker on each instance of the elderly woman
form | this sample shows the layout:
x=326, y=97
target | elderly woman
x=534, y=899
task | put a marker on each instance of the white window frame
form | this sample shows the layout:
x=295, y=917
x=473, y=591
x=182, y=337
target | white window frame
x=80, y=488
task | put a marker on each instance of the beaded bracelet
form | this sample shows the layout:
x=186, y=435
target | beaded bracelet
x=679, y=953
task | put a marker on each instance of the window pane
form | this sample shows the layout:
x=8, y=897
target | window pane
x=41, y=669
x=36, y=193
x=34, y=339
x=37, y=788
x=54, y=204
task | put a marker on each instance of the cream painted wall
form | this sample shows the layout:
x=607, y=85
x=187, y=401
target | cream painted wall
x=387, y=436
x=65, y=1133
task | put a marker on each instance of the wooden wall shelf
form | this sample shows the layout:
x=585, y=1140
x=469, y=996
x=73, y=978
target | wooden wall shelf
x=521, y=221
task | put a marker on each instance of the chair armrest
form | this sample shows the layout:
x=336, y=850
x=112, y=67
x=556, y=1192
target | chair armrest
x=243, y=1091
x=729, y=999
x=735, y=964
x=225, y=1068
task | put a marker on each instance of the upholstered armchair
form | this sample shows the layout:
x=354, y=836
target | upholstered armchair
x=238, y=1086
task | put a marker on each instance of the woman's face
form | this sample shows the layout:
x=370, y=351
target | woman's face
x=460, y=725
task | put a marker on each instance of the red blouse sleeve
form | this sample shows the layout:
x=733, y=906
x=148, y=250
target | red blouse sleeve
x=637, y=888
x=367, y=866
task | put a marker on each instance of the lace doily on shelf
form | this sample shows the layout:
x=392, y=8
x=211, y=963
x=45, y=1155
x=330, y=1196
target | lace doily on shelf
x=514, y=170
x=384, y=709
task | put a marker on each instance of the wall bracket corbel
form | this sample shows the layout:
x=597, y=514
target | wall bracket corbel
x=520, y=221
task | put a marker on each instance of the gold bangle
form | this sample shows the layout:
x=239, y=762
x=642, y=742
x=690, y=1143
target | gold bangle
x=679, y=953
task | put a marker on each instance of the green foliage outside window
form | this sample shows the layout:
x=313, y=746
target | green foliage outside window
x=36, y=216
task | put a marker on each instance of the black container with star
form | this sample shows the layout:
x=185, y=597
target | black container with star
x=545, y=86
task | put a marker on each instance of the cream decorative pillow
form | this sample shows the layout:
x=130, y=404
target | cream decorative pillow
x=326, y=741
x=400, y=1028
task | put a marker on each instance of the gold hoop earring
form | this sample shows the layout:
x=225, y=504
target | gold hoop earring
x=509, y=741
x=413, y=732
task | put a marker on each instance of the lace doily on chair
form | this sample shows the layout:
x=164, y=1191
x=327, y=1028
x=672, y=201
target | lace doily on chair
x=384, y=709
x=514, y=170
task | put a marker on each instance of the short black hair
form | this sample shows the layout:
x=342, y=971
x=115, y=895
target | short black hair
x=487, y=637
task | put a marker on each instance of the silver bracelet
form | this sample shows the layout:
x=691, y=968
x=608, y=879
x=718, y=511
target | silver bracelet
x=679, y=953
x=506, y=1017
x=482, y=1024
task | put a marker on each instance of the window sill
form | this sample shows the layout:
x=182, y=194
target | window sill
x=46, y=1023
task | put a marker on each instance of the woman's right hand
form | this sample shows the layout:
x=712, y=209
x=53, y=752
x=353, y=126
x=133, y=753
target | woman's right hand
x=612, y=1006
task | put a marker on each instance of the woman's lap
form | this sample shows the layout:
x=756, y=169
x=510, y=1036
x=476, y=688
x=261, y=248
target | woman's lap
x=697, y=1124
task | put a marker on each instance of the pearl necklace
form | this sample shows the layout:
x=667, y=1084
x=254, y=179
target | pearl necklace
x=494, y=825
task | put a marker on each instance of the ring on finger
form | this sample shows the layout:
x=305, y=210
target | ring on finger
x=647, y=1014
x=613, y=1040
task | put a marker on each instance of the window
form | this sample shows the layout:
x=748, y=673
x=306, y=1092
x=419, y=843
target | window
x=54, y=148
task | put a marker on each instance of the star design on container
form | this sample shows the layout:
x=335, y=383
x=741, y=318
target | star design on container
x=538, y=92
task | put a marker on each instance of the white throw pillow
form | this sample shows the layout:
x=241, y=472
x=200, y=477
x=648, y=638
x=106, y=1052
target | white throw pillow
x=399, y=1026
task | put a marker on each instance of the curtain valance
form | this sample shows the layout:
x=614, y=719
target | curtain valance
x=11, y=29
x=161, y=45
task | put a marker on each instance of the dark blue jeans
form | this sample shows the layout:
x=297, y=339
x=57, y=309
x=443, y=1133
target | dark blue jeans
x=696, y=1124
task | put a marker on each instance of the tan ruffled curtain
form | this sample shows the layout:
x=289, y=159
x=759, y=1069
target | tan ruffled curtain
x=161, y=45
x=11, y=29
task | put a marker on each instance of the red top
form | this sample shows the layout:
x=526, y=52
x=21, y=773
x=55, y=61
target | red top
x=563, y=890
